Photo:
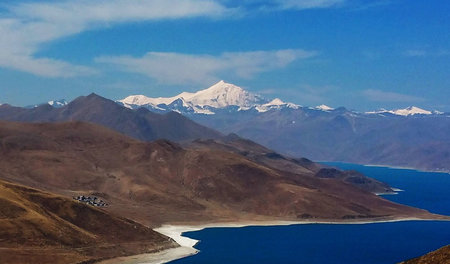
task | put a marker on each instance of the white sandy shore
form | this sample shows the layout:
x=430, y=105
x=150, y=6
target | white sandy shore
x=187, y=244
x=385, y=166
x=403, y=168
x=154, y=258
x=396, y=191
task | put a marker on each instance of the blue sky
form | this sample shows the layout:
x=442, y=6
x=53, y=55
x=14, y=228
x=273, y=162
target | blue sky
x=360, y=54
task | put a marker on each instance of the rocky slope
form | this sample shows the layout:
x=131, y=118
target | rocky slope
x=440, y=256
x=40, y=227
x=269, y=158
x=161, y=182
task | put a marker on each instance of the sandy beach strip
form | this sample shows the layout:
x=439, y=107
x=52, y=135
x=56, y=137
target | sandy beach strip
x=403, y=168
x=154, y=258
x=175, y=232
x=187, y=244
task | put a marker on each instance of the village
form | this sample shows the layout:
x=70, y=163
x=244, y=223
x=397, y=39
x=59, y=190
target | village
x=91, y=200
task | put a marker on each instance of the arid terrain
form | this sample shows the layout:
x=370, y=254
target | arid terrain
x=154, y=183
x=262, y=155
x=160, y=181
x=440, y=256
x=40, y=227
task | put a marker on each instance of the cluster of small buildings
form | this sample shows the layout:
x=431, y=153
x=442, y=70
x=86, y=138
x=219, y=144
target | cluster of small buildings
x=91, y=200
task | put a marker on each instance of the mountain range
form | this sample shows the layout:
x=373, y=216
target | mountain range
x=163, y=182
x=216, y=99
x=93, y=146
x=226, y=96
x=141, y=124
x=410, y=137
x=144, y=125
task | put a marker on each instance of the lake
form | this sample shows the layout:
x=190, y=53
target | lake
x=378, y=243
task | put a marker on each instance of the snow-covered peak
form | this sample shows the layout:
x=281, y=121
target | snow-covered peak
x=224, y=94
x=58, y=103
x=55, y=103
x=220, y=95
x=412, y=110
x=276, y=103
x=142, y=100
x=381, y=111
x=135, y=99
x=323, y=107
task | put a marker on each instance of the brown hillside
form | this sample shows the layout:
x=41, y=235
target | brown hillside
x=303, y=166
x=39, y=227
x=140, y=124
x=162, y=182
x=440, y=256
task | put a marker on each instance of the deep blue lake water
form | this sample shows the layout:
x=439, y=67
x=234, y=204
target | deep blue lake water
x=380, y=243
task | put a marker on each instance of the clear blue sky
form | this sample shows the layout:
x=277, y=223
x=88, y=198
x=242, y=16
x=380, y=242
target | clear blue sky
x=360, y=54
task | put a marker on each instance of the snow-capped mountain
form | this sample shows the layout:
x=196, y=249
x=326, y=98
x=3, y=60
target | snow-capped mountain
x=323, y=107
x=55, y=103
x=412, y=110
x=228, y=98
x=276, y=103
x=58, y=103
x=221, y=95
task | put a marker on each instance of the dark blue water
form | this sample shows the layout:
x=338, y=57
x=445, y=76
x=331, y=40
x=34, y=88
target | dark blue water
x=379, y=243
x=427, y=190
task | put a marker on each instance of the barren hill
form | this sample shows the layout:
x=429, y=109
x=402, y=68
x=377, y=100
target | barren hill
x=40, y=227
x=269, y=158
x=161, y=182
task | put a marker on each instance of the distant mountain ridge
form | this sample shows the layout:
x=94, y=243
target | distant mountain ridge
x=233, y=98
x=209, y=101
x=412, y=110
x=414, y=141
x=55, y=103
x=410, y=137
x=148, y=126
x=140, y=124
x=58, y=103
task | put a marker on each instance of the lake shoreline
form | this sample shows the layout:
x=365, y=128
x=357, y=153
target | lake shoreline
x=187, y=245
x=175, y=230
x=445, y=171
